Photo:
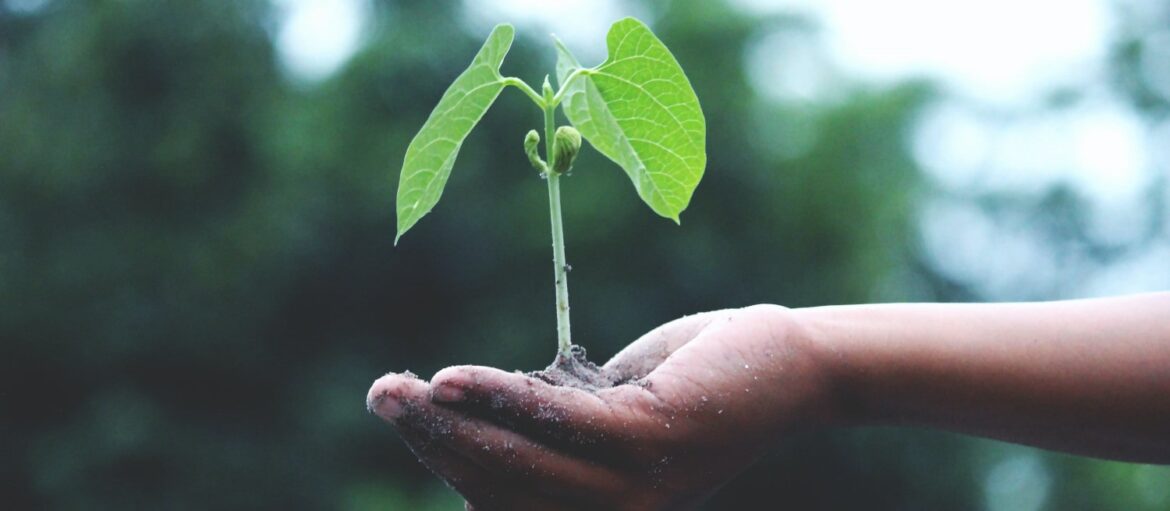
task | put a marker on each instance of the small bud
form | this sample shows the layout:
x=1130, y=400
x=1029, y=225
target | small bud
x=566, y=145
x=531, y=143
x=546, y=89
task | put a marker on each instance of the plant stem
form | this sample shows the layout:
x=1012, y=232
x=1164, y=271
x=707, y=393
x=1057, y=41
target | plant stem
x=556, y=100
x=519, y=84
x=564, y=341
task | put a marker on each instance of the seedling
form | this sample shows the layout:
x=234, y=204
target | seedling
x=637, y=108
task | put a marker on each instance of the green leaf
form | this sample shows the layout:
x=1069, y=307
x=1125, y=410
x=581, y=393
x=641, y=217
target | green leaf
x=639, y=110
x=432, y=152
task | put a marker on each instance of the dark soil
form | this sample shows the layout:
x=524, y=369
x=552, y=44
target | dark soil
x=577, y=372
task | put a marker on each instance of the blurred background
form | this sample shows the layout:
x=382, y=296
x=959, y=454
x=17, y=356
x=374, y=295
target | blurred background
x=198, y=283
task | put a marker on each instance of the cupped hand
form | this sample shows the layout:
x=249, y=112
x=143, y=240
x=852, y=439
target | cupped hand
x=706, y=395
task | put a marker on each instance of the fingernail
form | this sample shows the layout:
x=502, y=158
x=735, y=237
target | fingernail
x=446, y=394
x=385, y=407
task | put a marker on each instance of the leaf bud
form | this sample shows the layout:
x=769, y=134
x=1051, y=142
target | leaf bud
x=566, y=145
x=531, y=143
x=546, y=89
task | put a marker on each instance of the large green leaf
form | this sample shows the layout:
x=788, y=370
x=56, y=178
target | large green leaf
x=638, y=109
x=432, y=152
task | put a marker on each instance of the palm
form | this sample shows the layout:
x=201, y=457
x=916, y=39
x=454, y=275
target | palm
x=706, y=392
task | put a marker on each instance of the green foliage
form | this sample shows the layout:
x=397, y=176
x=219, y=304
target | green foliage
x=432, y=153
x=639, y=110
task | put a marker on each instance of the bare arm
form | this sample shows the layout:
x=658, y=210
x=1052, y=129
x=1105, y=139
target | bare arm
x=1090, y=377
x=709, y=393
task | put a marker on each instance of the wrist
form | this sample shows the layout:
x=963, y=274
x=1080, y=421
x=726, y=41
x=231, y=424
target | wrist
x=822, y=333
x=802, y=368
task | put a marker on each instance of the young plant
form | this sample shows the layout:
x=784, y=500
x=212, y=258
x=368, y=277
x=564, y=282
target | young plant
x=637, y=108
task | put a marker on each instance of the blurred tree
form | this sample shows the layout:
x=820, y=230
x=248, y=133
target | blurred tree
x=198, y=284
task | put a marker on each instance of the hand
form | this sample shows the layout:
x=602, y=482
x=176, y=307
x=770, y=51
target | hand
x=707, y=394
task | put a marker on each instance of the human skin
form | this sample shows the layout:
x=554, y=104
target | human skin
x=710, y=393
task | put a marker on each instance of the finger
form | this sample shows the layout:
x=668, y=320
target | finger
x=487, y=490
x=391, y=397
x=391, y=393
x=469, y=479
x=572, y=419
x=452, y=447
x=512, y=455
x=642, y=356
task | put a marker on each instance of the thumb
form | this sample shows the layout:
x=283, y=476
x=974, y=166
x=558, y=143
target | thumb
x=644, y=355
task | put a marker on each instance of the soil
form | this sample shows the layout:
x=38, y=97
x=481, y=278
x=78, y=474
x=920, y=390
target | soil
x=577, y=372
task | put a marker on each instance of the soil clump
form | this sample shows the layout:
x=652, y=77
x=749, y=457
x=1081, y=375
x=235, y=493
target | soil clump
x=578, y=372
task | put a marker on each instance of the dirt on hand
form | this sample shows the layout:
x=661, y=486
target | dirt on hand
x=578, y=372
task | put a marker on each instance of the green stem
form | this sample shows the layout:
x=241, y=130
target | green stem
x=519, y=84
x=556, y=100
x=564, y=341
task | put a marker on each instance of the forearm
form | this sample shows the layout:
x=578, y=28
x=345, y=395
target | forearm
x=1090, y=377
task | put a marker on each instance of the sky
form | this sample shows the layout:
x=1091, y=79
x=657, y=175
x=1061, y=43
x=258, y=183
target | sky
x=984, y=134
